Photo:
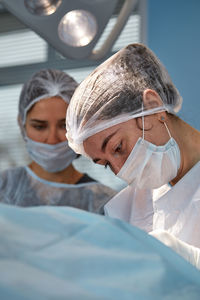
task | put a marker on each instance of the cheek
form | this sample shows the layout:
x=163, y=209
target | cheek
x=129, y=149
x=116, y=163
x=35, y=135
x=131, y=142
x=62, y=135
x=29, y=131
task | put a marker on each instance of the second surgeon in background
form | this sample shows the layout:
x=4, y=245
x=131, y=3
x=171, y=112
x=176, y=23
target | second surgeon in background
x=50, y=179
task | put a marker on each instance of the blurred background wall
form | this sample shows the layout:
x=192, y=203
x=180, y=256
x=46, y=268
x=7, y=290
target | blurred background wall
x=173, y=33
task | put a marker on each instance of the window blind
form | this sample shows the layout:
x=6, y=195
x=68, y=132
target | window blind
x=22, y=47
x=12, y=149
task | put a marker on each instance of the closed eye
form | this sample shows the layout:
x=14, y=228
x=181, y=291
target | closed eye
x=39, y=127
x=38, y=124
x=119, y=148
x=106, y=165
x=62, y=124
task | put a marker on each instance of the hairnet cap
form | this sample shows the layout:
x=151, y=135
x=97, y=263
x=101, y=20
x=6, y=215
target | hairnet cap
x=46, y=83
x=113, y=93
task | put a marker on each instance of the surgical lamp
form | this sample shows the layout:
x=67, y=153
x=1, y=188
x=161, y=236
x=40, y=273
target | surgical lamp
x=72, y=27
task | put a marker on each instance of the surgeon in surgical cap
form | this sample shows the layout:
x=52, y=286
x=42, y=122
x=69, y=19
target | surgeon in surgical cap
x=124, y=116
x=50, y=178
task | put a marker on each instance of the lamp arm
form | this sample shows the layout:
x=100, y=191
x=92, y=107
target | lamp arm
x=121, y=21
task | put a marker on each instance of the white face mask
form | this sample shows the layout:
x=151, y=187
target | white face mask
x=149, y=166
x=52, y=158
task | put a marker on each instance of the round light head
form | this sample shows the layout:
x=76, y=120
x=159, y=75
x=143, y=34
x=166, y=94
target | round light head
x=42, y=7
x=77, y=28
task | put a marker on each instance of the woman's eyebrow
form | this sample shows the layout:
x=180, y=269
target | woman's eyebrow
x=62, y=120
x=104, y=144
x=106, y=140
x=38, y=121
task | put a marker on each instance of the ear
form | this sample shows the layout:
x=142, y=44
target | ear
x=21, y=126
x=19, y=120
x=147, y=123
x=151, y=99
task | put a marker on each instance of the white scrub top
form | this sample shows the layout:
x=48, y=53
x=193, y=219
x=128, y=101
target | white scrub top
x=178, y=211
x=175, y=209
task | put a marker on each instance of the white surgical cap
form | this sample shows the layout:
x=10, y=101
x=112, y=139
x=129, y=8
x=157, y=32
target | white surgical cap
x=113, y=93
x=45, y=84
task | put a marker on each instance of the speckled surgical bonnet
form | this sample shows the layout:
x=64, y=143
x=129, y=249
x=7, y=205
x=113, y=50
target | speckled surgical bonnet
x=113, y=93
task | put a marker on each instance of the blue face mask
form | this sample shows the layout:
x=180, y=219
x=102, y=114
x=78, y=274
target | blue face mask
x=52, y=158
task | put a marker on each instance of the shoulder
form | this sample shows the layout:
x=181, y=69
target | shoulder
x=12, y=172
x=103, y=189
x=96, y=195
x=96, y=186
x=100, y=193
x=9, y=181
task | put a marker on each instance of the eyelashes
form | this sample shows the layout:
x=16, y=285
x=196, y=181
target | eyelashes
x=39, y=127
x=106, y=165
x=117, y=150
x=44, y=127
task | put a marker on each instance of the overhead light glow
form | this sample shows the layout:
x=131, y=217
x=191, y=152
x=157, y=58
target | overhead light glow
x=42, y=7
x=77, y=28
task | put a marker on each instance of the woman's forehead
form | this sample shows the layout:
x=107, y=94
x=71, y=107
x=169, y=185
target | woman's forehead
x=47, y=103
x=117, y=129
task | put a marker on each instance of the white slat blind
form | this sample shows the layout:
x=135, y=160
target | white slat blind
x=12, y=150
x=130, y=33
x=22, y=47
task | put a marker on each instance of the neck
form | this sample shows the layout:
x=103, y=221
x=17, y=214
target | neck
x=69, y=175
x=188, y=140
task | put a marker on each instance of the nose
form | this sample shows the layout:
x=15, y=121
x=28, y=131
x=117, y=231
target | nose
x=116, y=164
x=53, y=137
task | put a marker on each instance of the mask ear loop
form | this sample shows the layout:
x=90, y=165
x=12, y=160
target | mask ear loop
x=168, y=130
x=163, y=122
x=142, y=124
